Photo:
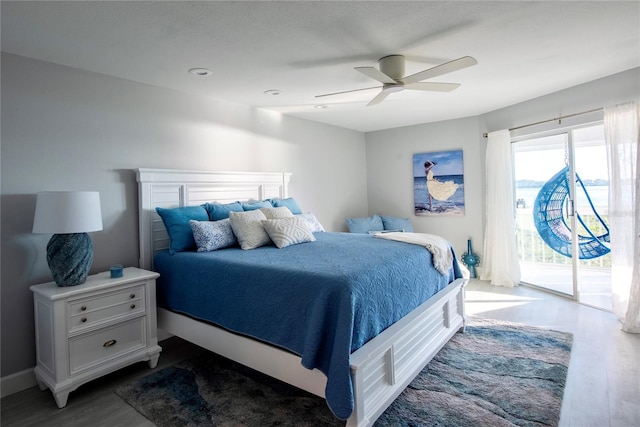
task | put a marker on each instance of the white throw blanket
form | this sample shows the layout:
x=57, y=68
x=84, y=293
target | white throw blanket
x=438, y=246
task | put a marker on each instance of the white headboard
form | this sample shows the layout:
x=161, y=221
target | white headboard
x=168, y=188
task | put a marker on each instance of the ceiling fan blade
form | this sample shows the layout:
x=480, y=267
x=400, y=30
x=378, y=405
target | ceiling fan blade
x=348, y=91
x=375, y=74
x=447, y=67
x=378, y=99
x=432, y=86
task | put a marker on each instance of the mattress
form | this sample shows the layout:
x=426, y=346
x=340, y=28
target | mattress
x=321, y=300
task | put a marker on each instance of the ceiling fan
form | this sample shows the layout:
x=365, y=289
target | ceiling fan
x=391, y=74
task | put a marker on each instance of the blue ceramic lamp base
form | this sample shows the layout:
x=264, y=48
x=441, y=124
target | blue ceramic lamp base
x=70, y=257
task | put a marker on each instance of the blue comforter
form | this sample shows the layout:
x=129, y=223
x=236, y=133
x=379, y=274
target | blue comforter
x=320, y=300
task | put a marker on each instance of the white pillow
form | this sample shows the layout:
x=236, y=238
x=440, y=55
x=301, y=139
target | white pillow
x=248, y=229
x=212, y=235
x=275, y=213
x=312, y=222
x=288, y=231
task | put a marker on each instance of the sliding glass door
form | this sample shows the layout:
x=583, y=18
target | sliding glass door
x=536, y=161
x=561, y=194
x=592, y=206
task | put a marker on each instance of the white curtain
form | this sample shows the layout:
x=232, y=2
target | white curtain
x=500, y=262
x=621, y=136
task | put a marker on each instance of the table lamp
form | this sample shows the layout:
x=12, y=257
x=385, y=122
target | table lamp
x=69, y=215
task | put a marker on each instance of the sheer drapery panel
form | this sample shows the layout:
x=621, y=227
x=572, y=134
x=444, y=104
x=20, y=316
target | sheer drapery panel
x=500, y=265
x=621, y=137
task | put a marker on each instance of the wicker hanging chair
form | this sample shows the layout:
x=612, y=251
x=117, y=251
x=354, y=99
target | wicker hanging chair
x=551, y=223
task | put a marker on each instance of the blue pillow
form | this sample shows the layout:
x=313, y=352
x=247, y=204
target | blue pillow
x=219, y=211
x=365, y=225
x=176, y=221
x=393, y=223
x=288, y=203
x=252, y=206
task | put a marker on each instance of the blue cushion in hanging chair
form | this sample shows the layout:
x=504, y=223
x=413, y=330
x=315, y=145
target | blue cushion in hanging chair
x=552, y=226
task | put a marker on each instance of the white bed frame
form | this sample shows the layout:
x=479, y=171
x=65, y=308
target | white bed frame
x=380, y=370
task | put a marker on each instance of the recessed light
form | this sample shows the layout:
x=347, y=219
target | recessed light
x=321, y=106
x=272, y=92
x=200, y=72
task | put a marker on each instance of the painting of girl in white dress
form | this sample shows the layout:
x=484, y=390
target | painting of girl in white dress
x=438, y=183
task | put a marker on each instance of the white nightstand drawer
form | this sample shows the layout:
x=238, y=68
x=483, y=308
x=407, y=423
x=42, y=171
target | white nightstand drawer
x=86, y=312
x=88, y=350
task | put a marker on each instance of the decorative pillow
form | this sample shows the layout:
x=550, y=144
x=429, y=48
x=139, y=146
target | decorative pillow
x=275, y=213
x=288, y=231
x=288, y=202
x=213, y=235
x=252, y=205
x=248, y=228
x=399, y=224
x=176, y=221
x=312, y=222
x=218, y=211
x=365, y=225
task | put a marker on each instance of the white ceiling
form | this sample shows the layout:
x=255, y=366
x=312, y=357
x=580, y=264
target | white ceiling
x=524, y=50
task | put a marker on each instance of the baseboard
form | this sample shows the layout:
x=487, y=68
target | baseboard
x=17, y=382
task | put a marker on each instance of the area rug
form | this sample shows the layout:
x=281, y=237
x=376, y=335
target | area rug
x=495, y=374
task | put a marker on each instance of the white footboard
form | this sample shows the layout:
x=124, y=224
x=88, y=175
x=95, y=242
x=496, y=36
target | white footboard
x=380, y=370
x=387, y=364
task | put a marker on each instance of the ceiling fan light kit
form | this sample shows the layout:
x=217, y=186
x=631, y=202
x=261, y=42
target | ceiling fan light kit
x=391, y=74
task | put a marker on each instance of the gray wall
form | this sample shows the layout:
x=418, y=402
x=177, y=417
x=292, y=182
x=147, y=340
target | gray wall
x=390, y=176
x=66, y=129
x=599, y=93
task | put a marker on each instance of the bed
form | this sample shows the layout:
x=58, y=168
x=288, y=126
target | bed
x=378, y=360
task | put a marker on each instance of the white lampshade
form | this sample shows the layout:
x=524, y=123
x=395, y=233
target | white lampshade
x=66, y=212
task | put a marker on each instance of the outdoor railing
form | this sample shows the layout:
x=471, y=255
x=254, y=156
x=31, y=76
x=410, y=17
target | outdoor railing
x=532, y=248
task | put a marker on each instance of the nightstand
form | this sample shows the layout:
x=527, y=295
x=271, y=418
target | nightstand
x=89, y=330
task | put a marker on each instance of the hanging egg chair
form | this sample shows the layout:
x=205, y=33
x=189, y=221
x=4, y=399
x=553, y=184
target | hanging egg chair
x=552, y=225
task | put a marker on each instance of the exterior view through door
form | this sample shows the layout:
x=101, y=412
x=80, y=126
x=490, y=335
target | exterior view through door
x=562, y=197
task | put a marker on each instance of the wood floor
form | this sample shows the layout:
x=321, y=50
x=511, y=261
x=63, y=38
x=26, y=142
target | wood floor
x=603, y=384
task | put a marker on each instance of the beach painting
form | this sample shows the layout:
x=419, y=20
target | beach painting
x=438, y=183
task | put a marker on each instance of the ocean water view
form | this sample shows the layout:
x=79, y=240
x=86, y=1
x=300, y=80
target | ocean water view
x=599, y=195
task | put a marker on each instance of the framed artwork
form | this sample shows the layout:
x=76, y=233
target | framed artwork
x=438, y=183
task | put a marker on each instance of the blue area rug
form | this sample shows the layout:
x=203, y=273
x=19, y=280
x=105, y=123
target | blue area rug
x=494, y=374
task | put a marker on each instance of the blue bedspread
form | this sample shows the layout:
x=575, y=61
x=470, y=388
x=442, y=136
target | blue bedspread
x=321, y=300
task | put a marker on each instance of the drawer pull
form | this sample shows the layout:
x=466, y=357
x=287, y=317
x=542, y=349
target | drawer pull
x=83, y=308
x=132, y=296
x=132, y=306
x=83, y=320
x=109, y=343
